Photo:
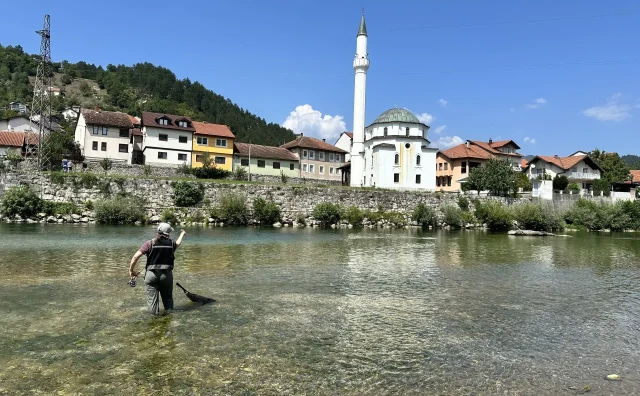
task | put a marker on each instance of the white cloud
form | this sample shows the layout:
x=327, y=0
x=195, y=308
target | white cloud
x=613, y=110
x=304, y=119
x=426, y=118
x=536, y=103
x=446, y=142
x=527, y=139
x=443, y=102
x=439, y=129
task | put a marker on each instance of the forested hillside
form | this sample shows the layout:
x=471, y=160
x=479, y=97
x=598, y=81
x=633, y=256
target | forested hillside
x=133, y=89
x=632, y=160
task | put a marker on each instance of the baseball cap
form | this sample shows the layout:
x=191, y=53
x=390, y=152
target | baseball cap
x=164, y=228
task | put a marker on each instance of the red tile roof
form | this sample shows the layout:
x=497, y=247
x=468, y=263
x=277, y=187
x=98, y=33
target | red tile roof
x=462, y=151
x=566, y=163
x=493, y=150
x=312, y=143
x=204, y=128
x=635, y=174
x=259, y=151
x=107, y=118
x=11, y=139
x=31, y=138
x=350, y=134
x=502, y=143
x=149, y=119
x=134, y=120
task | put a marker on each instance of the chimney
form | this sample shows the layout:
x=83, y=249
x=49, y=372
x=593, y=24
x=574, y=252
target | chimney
x=467, y=144
x=300, y=135
x=555, y=156
x=324, y=140
x=490, y=141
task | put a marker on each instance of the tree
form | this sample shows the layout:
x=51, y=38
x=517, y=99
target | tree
x=58, y=146
x=560, y=182
x=615, y=170
x=497, y=176
x=522, y=182
x=106, y=164
x=475, y=180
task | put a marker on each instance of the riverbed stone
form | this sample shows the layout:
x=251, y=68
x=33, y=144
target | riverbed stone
x=530, y=233
x=51, y=219
x=84, y=220
x=154, y=219
x=277, y=224
x=76, y=217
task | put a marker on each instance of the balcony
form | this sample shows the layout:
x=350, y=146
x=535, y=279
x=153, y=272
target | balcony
x=582, y=176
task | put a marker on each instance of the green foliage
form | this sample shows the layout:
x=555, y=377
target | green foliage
x=210, y=173
x=106, y=164
x=283, y=178
x=573, y=188
x=240, y=173
x=300, y=218
x=396, y=218
x=354, y=215
x=468, y=218
x=266, y=212
x=233, y=208
x=463, y=203
x=615, y=170
x=584, y=213
x=86, y=180
x=523, y=182
x=424, y=215
x=624, y=215
x=374, y=217
x=601, y=186
x=535, y=217
x=85, y=89
x=452, y=216
x=632, y=161
x=497, y=215
x=61, y=145
x=21, y=201
x=187, y=193
x=196, y=217
x=59, y=208
x=14, y=157
x=560, y=182
x=66, y=79
x=544, y=176
x=147, y=170
x=168, y=216
x=327, y=213
x=88, y=205
x=119, y=210
x=57, y=178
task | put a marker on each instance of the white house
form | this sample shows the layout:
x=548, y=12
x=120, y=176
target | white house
x=19, y=107
x=20, y=123
x=578, y=168
x=104, y=134
x=345, y=142
x=167, y=139
x=11, y=141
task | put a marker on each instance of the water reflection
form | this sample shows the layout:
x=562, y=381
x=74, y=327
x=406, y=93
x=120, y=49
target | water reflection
x=321, y=312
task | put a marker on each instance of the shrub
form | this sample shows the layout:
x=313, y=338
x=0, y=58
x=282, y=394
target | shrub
x=88, y=205
x=184, y=169
x=210, y=173
x=327, y=213
x=119, y=210
x=452, y=216
x=187, y=194
x=21, y=201
x=301, y=218
x=14, y=157
x=354, y=215
x=425, y=216
x=468, y=218
x=266, y=212
x=584, y=213
x=463, y=203
x=86, y=180
x=240, y=173
x=61, y=208
x=233, y=208
x=106, y=164
x=396, y=218
x=523, y=182
x=147, y=170
x=601, y=185
x=196, y=217
x=374, y=217
x=56, y=178
x=560, y=182
x=536, y=217
x=168, y=216
x=497, y=216
x=573, y=187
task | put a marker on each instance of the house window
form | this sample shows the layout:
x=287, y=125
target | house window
x=397, y=159
x=418, y=160
x=202, y=141
x=96, y=130
x=163, y=121
x=182, y=139
x=321, y=170
x=304, y=168
x=311, y=168
x=312, y=154
x=221, y=160
x=331, y=171
x=162, y=155
x=103, y=146
x=261, y=164
x=321, y=156
x=123, y=148
x=105, y=130
x=182, y=157
x=292, y=166
x=407, y=131
x=418, y=177
x=183, y=124
x=396, y=178
x=221, y=142
x=244, y=162
x=440, y=166
x=276, y=165
x=438, y=181
x=585, y=170
x=95, y=146
x=124, y=133
x=448, y=181
x=464, y=167
x=574, y=169
x=446, y=166
x=163, y=137
x=330, y=156
x=304, y=154
x=338, y=157
x=198, y=158
x=385, y=131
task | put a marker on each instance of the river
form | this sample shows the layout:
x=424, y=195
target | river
x=321, y=312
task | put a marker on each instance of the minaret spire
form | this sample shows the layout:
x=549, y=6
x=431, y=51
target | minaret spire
x=362, y=30
x=360, y=66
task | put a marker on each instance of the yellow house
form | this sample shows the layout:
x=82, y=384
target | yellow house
x=215, y=140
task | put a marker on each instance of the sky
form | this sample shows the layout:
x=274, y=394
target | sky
x=554, y=76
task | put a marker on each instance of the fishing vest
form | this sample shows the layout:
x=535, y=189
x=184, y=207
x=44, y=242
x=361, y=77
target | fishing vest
x=161, y=254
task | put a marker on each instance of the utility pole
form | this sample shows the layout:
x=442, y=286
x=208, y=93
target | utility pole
x=249, y=160
x=41, y=106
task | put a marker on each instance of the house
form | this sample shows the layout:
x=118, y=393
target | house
x=215, y=140
x=55, y=91
x=266, y=160
x=318, y=159
x=345, y=142
x=104, y=134
x=135, y=141
x=578, y=168
x=21, y=123
x=167, y=139
x=71, y=113
x=19, y=107
x=454, y=165
x=11, y=141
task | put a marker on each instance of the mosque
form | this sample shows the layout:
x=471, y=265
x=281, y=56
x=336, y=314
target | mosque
x=393, y=152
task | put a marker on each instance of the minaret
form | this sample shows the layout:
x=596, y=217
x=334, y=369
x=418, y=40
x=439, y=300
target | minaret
x=360, y=65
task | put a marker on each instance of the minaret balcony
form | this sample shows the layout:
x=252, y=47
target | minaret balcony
x=361, y=63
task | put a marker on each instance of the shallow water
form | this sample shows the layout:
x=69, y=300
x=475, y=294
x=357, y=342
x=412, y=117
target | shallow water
x=321, y=312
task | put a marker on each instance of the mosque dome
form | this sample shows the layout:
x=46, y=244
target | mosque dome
x=397, y=115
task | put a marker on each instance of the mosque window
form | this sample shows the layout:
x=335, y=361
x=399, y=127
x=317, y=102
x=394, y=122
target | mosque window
x=396, y=178
x=407, y=131
x=418, y=160
x=397, y=159
x=407, y=146
x=385, y=131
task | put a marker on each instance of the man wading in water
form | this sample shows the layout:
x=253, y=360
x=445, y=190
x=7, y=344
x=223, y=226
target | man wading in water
x=159, y=269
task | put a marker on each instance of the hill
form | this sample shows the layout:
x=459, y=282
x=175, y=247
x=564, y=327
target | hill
x=632, y=160
x=133, y=89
